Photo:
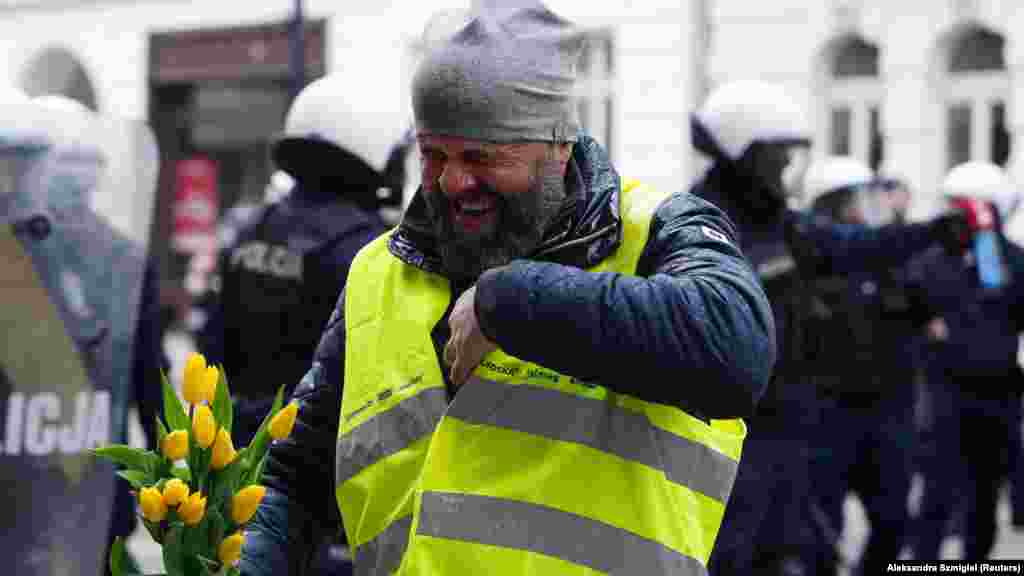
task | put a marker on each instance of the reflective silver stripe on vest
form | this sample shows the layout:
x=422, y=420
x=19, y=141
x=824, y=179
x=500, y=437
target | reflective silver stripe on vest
x=389, y=432
x=383, y=554
x=543, y=530
x=599, y=425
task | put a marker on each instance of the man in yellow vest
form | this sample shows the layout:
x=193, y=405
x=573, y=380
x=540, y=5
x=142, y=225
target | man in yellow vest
x=543, y=368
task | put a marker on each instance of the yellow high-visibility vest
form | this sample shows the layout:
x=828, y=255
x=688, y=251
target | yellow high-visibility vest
x=526, y=471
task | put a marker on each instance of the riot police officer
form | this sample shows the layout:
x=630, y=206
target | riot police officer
x=81, y=337
x=870, y=322
x=285, y=269
x=973, y=377
x=753, y=133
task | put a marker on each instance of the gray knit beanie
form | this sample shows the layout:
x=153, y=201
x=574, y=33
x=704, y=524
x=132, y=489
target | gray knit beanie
x=505, y=75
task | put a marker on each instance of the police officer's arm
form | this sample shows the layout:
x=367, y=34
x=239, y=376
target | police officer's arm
x=832, y=248
x=694, y=330
x=298, y=510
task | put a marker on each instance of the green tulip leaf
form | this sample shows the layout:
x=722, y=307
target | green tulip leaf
x=174, y=559
x=132, y=458
x=218, y=526
x=174, y=413
x=256, y=474
x=117, y=556
x=260, y=442
x=182, y=473
x=222, y=408
x=197, y=538
x=227, y=481
x=137, y=478
x=161, y=432
x=211, y=566
x=154, y=530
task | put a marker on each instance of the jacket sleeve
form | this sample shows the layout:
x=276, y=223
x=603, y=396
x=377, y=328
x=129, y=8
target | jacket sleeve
x=847, y=248
x=299, y=511
x=693, y=329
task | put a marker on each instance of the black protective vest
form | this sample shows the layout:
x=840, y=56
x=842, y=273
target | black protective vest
x=280, y=285
x=866, y=327
x=784, y=282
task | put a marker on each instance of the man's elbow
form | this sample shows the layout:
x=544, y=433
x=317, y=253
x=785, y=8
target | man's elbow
x=742, y=375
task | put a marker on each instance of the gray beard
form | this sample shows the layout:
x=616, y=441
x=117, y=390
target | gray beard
x=522, y=221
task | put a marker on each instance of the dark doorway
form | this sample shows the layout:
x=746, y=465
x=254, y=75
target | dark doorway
x=221, y=95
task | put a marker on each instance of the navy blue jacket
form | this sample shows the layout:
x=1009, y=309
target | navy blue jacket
x=789, y=249
x=984, y=327
x=696, y=311
x=874, y=322
x=298, y=212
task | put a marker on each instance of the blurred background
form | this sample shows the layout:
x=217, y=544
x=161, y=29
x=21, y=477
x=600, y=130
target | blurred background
x=913, y=88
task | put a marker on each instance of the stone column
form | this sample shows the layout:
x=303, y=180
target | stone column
x=911, y=111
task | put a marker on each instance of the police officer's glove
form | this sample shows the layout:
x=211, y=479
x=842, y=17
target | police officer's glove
x=794, y=230
x=952, y=230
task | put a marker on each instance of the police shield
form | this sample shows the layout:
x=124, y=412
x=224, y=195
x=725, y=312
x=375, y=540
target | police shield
x=76, y=192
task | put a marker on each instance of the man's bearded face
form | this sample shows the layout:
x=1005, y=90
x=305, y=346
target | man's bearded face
x=490, y=205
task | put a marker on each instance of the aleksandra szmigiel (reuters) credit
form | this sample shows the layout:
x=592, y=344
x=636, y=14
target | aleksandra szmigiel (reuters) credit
x=956, y=567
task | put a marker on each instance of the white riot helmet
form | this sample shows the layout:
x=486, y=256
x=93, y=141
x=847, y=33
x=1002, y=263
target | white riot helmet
x=24, y=144
x=328, y=125
x=838, y=183
x=72, y=124
x=739, y=114
x=78, y=154
x=982, y=181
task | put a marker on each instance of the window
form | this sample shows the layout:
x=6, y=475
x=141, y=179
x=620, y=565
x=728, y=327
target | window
x=959, y=133
x=976, y=95
x=595, y=88
x=855, y=58
x=978, y=50
x=840, y=143
x=853, y=97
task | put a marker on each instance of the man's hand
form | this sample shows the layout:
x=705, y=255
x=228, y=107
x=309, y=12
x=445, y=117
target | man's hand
x=467, y=345
x=937, y=330
x=953, y=232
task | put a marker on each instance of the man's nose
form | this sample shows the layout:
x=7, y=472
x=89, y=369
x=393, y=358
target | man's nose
x=457, y=180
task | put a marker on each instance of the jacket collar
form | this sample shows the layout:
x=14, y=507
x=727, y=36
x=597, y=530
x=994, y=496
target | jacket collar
x=586, y=230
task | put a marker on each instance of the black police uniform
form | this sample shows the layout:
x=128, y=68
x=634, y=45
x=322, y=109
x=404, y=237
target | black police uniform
x=772, y=519
x=866, y=364
x=280, y=281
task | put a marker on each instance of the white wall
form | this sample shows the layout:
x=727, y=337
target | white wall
x=370, y=41
x=777, y=41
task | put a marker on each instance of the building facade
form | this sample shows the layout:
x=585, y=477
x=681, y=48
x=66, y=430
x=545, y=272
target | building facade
x=934, y=83
x=914, y=87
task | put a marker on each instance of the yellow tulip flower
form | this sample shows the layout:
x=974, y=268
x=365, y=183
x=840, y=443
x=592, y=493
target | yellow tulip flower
x=282, y=422
x=195, y=373
x=175, y=445
x=208, y=391
x=204, y=427
x=245, y=502
x=152, y=504
x=230, y=549
x=191, y=510
x=175, y=492
x=223, y=450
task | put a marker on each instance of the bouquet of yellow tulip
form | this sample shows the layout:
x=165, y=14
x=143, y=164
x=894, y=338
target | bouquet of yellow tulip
x=198, y=492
